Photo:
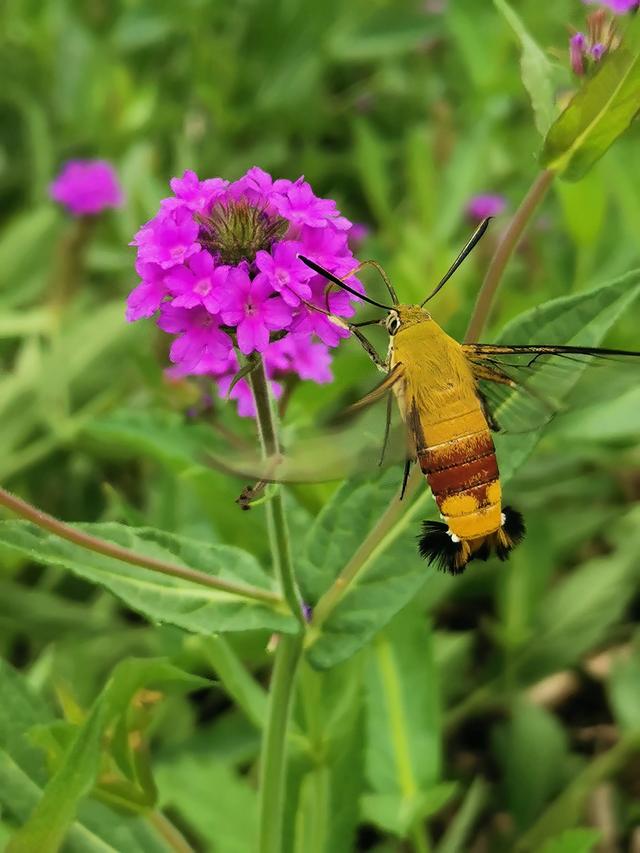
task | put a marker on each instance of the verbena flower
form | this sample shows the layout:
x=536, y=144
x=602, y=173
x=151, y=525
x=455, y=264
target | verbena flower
x=219, y=266
x=586, y=50
x=87, y=187
x=481, y=206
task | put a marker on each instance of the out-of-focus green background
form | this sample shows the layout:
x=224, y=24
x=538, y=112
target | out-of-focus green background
x=402, y=112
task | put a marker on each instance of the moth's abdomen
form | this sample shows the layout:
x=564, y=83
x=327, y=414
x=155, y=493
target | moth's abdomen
x=460, y=464
x=457, y=456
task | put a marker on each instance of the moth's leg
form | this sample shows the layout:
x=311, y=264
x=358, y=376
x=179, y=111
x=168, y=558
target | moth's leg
x=369, y=348
x=387, y=426
x=405, y=477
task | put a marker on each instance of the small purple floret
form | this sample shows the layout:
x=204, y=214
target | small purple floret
x=87, y=187
x=219, y=266
x=482, y=206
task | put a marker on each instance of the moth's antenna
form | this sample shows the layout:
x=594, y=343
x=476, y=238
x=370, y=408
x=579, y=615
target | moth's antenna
x=333, y=278
x=473, y=241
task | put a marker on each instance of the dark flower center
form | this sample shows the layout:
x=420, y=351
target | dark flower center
x=235, y=231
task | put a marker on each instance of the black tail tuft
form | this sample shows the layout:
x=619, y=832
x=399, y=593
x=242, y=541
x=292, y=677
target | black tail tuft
x=437, y=547
x=449, y=554
x=511, y=533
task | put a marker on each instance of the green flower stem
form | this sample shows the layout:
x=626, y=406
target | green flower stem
x=68, y=266
x=102, y=546
x=273, y=754
x=276, y=519
x=505, y=249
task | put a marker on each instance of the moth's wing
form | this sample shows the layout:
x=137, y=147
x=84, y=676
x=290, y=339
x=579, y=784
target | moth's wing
x=313, y=455
x=523, y=387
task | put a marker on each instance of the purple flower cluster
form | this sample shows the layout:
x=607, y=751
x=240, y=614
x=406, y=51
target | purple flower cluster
x=87, y=187
x=218, y=264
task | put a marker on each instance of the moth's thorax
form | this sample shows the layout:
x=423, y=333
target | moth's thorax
x=410, y=315
x=436, y=368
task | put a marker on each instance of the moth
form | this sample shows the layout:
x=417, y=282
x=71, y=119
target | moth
x=451, y=397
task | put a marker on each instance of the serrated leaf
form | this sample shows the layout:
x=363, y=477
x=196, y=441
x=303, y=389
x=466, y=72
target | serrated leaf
x=388, y=577
x=599, y=112
x=160, y=598
x=47, y=826
x=536, y=70
x=582, y=319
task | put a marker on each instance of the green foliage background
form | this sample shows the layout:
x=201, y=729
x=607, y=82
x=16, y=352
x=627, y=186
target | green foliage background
x=496, y=711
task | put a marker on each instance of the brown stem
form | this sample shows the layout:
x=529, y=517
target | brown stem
x=504, y=250
x=69, y=261
x=169, y=833
x=108, y=549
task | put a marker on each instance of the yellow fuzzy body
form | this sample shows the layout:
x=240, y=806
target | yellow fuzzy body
x=438, y=399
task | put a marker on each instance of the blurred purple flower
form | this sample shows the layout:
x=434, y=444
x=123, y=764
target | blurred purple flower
x=358, y=234
x=620, y=7
x=87, y=187
x=219, y=265
x=484, y=205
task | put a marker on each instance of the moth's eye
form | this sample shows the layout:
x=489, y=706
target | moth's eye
x=393, y=324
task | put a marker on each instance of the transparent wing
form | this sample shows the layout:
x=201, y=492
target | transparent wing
x=523, y=387
x=321, y=454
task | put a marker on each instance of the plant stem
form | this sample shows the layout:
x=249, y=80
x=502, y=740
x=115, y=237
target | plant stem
x=169, y=833
x=505, y=249
x=385, y=525
x=276, y=519
x=108, y=549
x=273, y=752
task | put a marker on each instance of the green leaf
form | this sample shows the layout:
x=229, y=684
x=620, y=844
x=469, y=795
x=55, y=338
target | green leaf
x=160, y=598
x=387, y=33
x=582, y=319
x=217, y=803
x=536, y=70
x=581, y=840
x=459, y=828
x=403, y=713
x=577, y=613
x=331, y=716
x=47, y=826
x=23, y=776
x=624, y=692
x=392, y=813
x=599, y=113
x=532, y=751
x=388, y=576
x=403, y=720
